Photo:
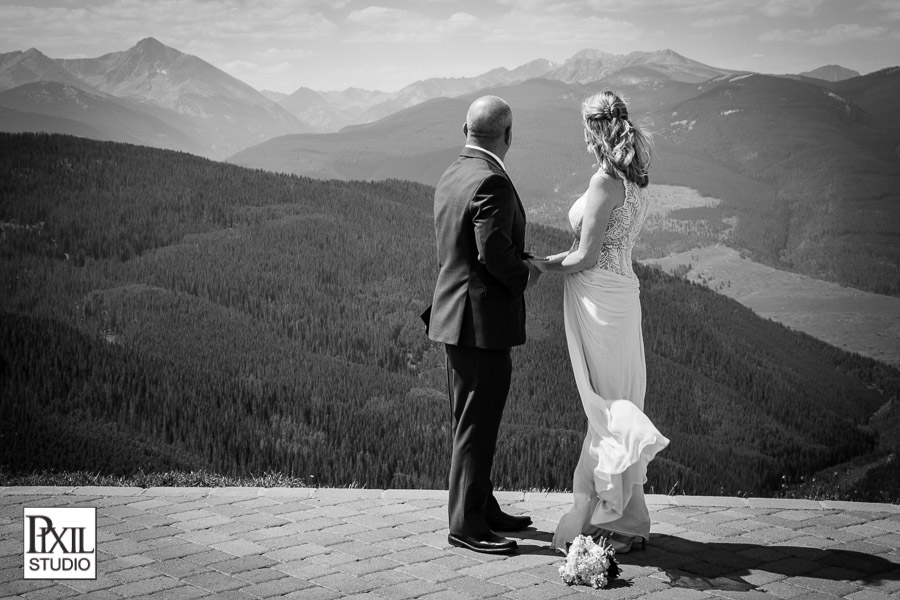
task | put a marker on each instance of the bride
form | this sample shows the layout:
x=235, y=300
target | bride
x=603, y=329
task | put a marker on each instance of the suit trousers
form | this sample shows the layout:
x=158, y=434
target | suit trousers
x=479, y=381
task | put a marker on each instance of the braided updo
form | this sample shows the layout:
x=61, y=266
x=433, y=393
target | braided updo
x=622, y=149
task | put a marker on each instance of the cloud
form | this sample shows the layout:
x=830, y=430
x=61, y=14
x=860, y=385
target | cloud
x=636, y=6
x=831, y=36
x=545, y=25
x=377, y=15
x=791, y=8
x=566, y=28
x=891, y=9
x=625, y=6
x=393, y=25
x=175, y=22
x=714, y=22
x=728, y=8
x=383, y=76
x=18, y=24
x=682, y=6
x=272, y=68
x=566, y=22
x=281, y=54
x=262, y=75
x=719, y=12
x=240, y=65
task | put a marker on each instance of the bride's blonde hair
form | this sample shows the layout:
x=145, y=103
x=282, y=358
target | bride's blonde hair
x=621, y=148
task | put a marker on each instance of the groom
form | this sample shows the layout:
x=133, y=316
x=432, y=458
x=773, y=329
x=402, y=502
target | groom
x=478, y=312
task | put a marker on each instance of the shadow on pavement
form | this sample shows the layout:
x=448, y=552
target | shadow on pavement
x=542, y=541
x=745, y=566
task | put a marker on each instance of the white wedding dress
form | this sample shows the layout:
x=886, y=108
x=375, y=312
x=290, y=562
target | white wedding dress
x=606, y=347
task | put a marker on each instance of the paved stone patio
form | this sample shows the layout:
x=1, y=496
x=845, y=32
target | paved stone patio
x=319, y=544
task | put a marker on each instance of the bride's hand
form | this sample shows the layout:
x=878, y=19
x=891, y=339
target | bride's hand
x=540, y=263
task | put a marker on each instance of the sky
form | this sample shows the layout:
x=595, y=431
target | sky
x=282, y=45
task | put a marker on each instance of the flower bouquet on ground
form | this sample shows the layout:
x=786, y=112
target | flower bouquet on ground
x=589, y=563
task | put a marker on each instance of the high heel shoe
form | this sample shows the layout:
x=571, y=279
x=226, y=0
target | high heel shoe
x=622, y=544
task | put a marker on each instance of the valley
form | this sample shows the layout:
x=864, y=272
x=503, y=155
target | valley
x=853, y=320
x=848, y=318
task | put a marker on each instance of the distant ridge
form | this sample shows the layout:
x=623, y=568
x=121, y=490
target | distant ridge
x=637, y=67
x=19, y=68
x=877, y=93
x=274, y=96
x=314, y=110
x=61, y=108
x=586, y=66
x=831, y=73
x=217, y=113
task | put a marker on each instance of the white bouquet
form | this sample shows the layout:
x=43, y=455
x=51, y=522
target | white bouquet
x=589, y=563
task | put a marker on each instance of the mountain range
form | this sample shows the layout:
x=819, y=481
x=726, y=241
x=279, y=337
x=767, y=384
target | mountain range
x=219, y=115
x=117, y=93
x=329, y=111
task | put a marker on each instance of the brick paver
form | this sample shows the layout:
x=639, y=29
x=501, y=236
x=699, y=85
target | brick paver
x=323, y=544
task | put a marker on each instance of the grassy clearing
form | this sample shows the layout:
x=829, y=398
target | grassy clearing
x=147, y=480
x=851, y=319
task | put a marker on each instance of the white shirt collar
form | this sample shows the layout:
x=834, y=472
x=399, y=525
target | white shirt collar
x=489, y=153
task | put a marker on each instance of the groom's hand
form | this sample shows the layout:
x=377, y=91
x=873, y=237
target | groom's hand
x=533, y=274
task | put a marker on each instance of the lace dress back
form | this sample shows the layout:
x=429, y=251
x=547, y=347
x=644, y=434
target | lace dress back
x=625, y=223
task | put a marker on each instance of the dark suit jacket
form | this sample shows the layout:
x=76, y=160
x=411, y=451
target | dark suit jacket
x=479, y=224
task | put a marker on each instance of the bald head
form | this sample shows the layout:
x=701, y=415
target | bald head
x=489, y=123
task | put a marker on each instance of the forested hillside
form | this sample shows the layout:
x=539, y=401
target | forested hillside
x=161, y=311
x=821, y=200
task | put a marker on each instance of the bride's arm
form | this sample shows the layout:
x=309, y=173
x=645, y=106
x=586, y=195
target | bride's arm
x=603, y=195
x=542, y=263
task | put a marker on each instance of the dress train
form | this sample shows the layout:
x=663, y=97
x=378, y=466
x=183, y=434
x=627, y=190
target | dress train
x=603, y=329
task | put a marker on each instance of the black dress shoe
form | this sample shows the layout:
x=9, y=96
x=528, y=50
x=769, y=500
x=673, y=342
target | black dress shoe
x=489, y=543
x=505, y=522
